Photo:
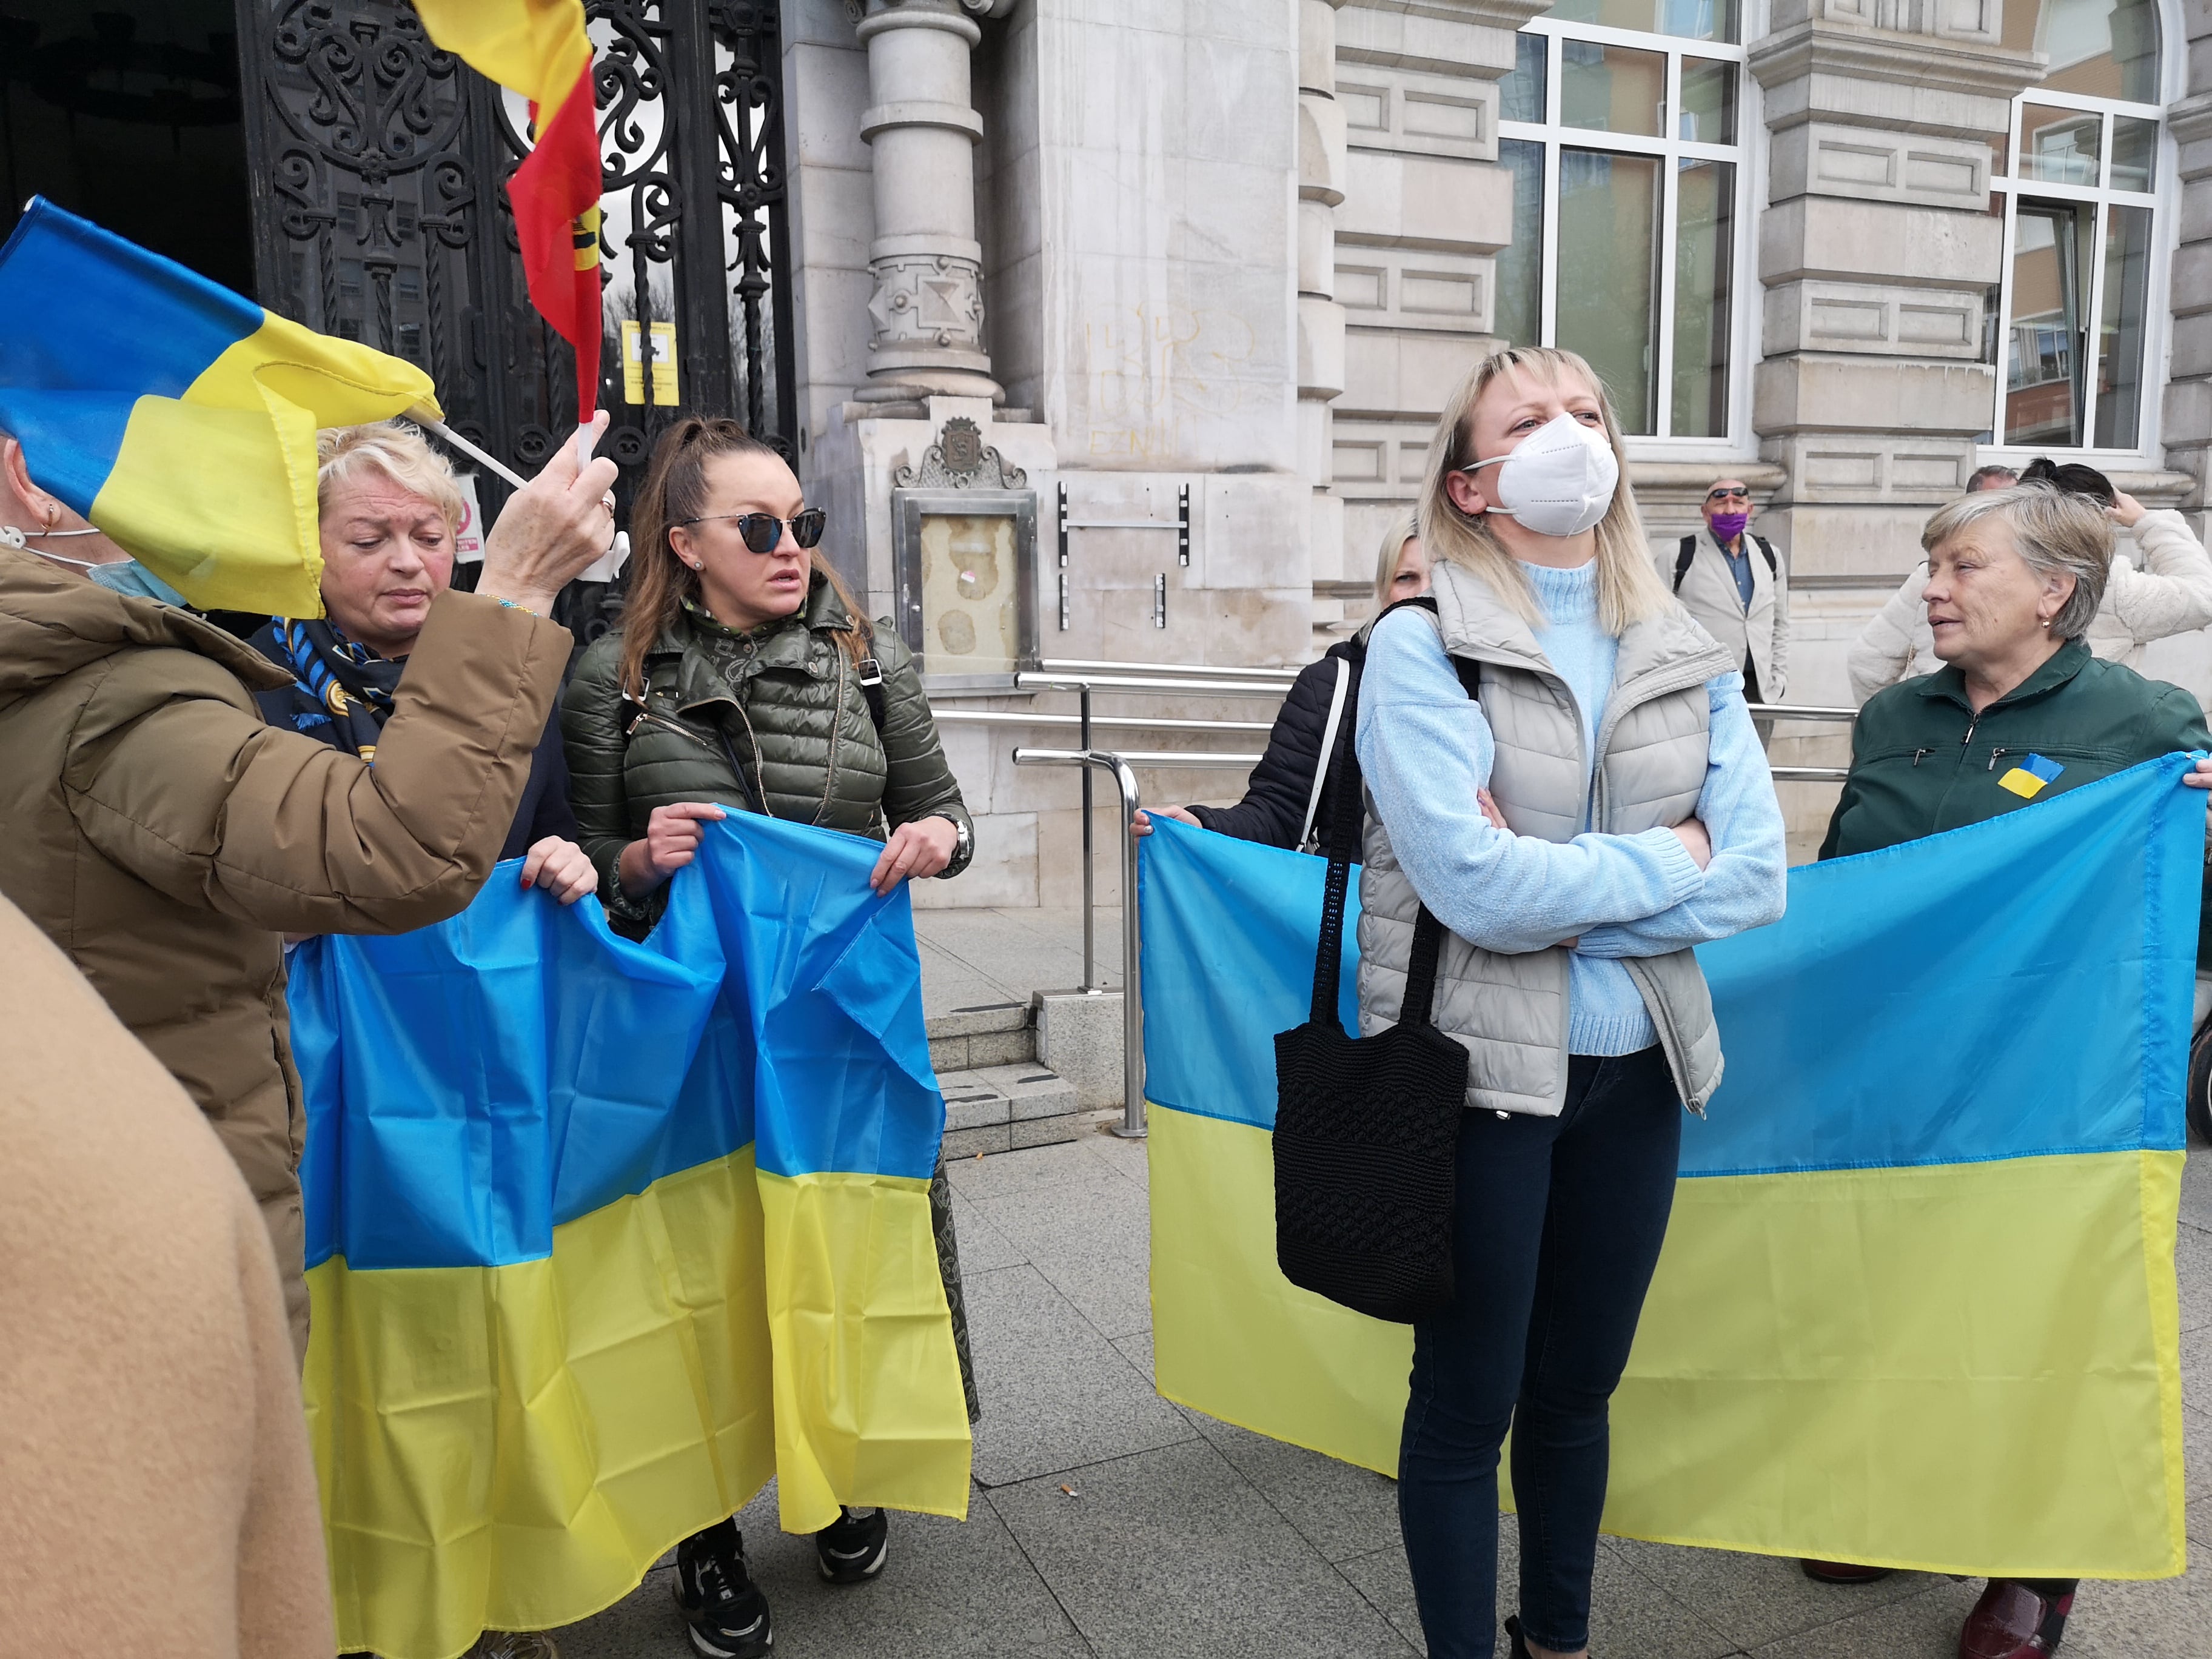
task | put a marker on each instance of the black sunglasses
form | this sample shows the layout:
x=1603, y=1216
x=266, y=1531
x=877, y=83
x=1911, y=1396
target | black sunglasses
x=1727, y=495
x=763, y=532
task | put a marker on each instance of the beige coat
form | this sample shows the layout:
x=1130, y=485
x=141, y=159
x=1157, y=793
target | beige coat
x=156, y=1491
x=164, y=836
x=1758, y=632
x=1509, y=1011
x=2166, y=590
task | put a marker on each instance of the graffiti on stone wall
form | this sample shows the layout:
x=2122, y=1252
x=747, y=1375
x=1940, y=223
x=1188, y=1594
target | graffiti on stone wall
x=1155, y=375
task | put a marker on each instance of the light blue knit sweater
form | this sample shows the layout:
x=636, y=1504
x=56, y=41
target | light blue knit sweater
x=1426, y=749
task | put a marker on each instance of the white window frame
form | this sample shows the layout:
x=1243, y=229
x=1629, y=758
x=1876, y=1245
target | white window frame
x=1747, y=156
x=2158, y=298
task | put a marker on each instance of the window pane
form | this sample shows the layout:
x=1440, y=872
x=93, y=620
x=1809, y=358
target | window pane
x=1521, y=94
x=1704, y=205
x=1692, y=20
x=2120, y=330
x=2134, y=153
x=1518, y=318
x=2059, y=146
x=1707, y=113
x=1611, y=88
x=2050, y=281
x=1608, y=273
x=2105, y=48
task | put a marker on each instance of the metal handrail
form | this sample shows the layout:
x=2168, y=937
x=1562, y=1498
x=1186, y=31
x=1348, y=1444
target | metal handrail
x=1125, y=723
x=1132, y=1030
x=1027, y=681
x=1075, y=666
x=1793, y=711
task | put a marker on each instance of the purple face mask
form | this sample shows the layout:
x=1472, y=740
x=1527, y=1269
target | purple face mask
x=1729, y=526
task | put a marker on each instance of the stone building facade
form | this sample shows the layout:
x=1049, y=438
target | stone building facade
x=1205, y=270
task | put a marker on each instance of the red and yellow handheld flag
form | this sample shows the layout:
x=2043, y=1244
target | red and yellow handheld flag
x=539, y=48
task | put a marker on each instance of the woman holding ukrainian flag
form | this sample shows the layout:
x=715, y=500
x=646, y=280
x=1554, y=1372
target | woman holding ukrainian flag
x=745, y=678
x=2021, y=711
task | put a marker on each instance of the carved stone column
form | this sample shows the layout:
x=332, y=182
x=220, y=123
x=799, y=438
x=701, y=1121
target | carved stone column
x=923, y=128
x=1425, y=208
x=1321, y=318
x=2187, y=431
x=1876, y=248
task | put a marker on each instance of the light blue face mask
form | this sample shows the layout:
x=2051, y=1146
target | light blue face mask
x=129, y=576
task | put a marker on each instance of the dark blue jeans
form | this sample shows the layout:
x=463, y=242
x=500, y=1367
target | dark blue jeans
x=1557, y=1231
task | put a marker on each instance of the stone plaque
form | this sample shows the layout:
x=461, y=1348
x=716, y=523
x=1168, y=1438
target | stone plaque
x=965, y=561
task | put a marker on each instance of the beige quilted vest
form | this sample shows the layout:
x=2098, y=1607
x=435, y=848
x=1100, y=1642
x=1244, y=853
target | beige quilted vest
x=1510, y=1012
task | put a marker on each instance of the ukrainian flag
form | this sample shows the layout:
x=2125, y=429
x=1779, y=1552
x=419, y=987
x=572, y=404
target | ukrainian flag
x=1917, y=1304
x=177, y=416
x=602, y=1236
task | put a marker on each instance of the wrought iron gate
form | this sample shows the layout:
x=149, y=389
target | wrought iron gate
x=379, y=167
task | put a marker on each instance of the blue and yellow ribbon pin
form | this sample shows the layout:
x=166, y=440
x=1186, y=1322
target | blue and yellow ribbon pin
x=2027, y=779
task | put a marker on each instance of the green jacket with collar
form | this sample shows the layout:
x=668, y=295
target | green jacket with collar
x=1924, y=762
x=775, y=715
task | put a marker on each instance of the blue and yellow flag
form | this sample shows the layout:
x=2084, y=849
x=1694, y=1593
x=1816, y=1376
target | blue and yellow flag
x=177, y=416
x=1917, y=1304
x=601, y=1236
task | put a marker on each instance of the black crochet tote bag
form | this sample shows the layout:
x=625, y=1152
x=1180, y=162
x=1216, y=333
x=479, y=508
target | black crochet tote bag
x=1367, y=1128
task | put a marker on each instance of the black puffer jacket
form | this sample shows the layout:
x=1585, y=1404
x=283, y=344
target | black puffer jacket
x=1273, y=809
x=783, y=703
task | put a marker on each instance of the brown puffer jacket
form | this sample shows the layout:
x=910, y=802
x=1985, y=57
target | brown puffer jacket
x=146, y=1385
x=164, y=836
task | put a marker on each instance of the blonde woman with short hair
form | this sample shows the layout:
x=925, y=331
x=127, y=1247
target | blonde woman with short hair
x=389, y=510
x=1599, y=809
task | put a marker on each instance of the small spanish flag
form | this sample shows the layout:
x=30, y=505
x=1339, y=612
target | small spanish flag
x=539, y=48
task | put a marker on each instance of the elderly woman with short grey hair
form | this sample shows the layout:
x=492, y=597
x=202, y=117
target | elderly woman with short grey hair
x=2019, y=711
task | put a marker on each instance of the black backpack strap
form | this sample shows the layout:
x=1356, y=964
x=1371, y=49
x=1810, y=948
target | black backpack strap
x=1683, y=558
x=1767, y=548
x=1348, y=801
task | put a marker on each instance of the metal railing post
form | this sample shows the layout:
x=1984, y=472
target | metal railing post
x=1131, y=1126
x=1090, y=986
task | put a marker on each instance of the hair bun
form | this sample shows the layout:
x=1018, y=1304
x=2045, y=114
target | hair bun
x=2070, y=477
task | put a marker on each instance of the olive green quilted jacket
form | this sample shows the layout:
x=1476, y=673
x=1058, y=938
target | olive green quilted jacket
x=782, y=704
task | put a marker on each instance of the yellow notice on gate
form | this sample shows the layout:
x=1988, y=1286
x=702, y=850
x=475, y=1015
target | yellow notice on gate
x=662, y=336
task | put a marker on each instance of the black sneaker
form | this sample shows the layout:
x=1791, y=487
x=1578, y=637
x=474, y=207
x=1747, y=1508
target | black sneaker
x=728, y=1614
x=852, y=1548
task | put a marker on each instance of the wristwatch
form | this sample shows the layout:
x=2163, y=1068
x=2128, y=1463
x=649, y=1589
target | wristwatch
x=964, y=842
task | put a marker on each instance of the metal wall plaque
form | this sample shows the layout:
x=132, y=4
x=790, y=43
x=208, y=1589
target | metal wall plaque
x=966, y=568
x=963, y=545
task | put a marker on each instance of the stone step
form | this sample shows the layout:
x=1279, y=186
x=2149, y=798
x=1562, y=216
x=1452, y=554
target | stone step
x=986, y=1033
x=998, y=1109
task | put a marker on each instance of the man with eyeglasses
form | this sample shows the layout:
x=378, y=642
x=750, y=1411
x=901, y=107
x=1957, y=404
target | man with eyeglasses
x=1731, y=582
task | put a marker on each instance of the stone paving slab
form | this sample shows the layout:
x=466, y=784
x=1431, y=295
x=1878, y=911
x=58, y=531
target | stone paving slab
x=970, y=959
x=1193, y=1538
x=1056, y=1394
x=1170, y=1551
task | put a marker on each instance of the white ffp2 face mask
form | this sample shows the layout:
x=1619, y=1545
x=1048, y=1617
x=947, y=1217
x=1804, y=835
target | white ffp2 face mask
x=1559, y=480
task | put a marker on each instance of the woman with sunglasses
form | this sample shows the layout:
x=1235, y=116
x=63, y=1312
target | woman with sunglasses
x=744, y=678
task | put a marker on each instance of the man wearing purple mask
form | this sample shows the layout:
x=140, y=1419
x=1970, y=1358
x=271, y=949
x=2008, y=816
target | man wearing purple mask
x=1732, y=583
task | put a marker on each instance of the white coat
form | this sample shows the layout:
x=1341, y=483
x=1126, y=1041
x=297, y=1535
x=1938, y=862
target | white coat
x=2171, y=593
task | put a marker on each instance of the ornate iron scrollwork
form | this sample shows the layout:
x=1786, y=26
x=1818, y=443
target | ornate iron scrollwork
x=380, y=212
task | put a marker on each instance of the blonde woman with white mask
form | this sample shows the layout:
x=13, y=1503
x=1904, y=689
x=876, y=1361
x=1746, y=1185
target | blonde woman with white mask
x=1629, y=816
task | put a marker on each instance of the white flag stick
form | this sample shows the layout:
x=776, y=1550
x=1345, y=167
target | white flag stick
x=431, y=424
